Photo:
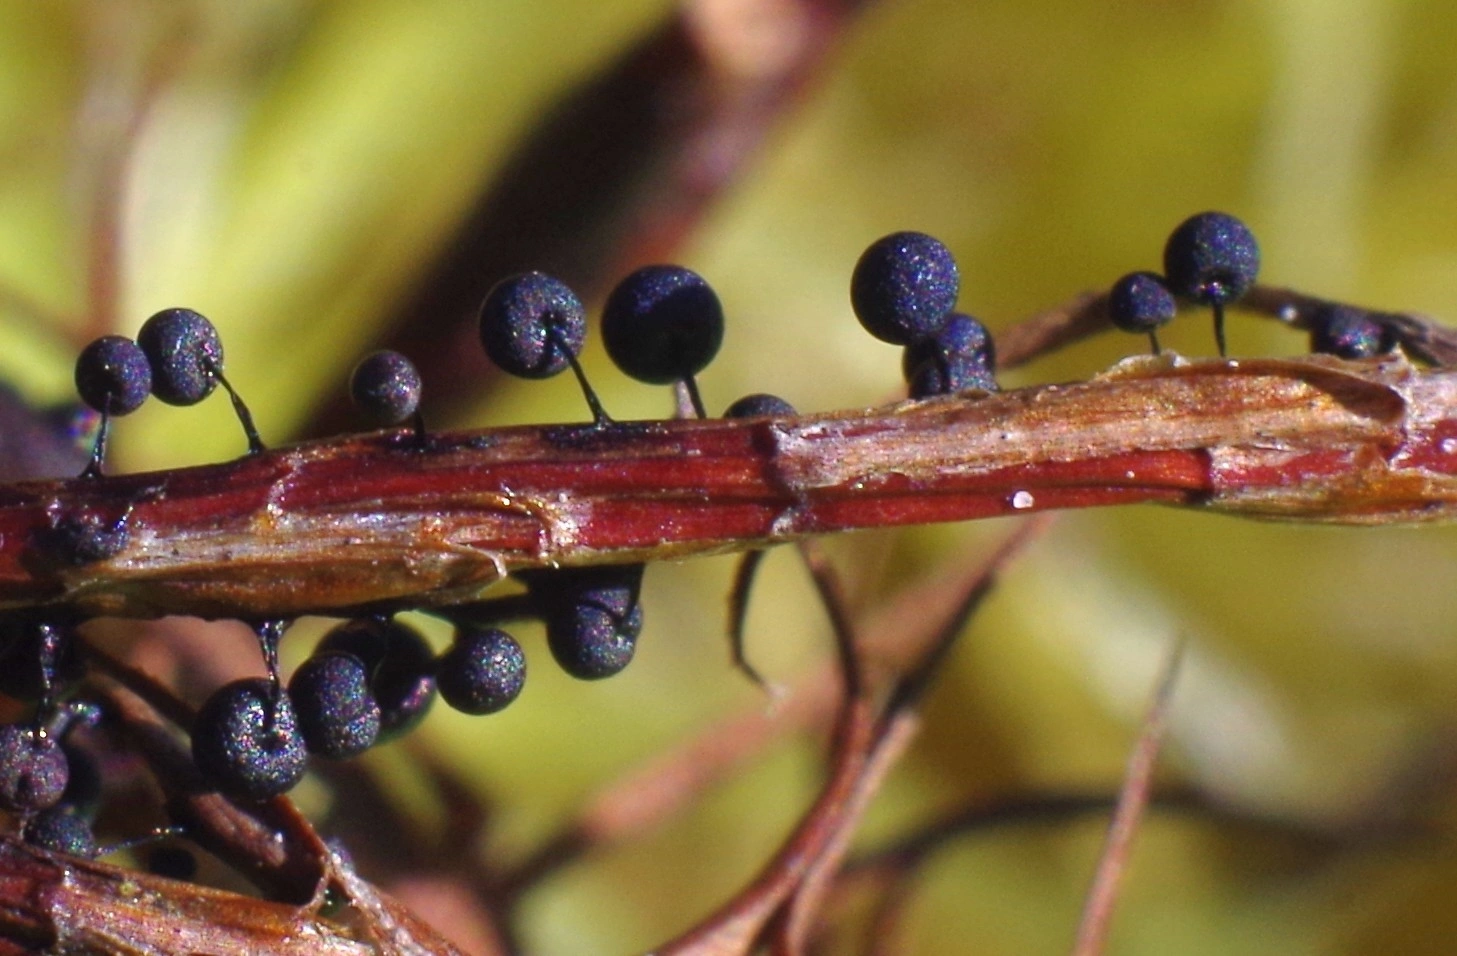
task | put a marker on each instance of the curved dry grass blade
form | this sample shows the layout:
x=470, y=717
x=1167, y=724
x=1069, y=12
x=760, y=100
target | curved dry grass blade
x=744, y=573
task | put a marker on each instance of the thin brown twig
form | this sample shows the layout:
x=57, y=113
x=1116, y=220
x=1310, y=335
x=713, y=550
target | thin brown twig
x=832, y=598
x=735, y=927
x=896, y=725
x=781, y=906
x=744, y=574
x=804, y=907
x=893, y=867
x=1097, y=915
x=894, y=636
x=1424, y=338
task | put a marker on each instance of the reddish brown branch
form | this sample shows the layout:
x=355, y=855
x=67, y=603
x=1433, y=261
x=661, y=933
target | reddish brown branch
x=60, y=904
x=55, y=903
x=370, y=520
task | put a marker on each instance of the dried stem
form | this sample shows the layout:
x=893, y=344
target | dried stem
x=1092, y=932
x=1086, y=314
x=372, y=521
x=60, y=904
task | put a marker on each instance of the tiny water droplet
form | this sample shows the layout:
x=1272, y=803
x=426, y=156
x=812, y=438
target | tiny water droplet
x=1023, y=500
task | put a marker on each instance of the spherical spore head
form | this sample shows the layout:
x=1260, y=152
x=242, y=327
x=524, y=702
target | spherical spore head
x=1211, y=258
x=662, y=324
x=591, y=639
x=185, y=353
x=1349, y=333
x=529, y=323
x=760, y=405
x=337, y=714
x=386, y=387
x=904, y=287
x=482, y=671
x=1141, y=302
x=592, y=616
x=957, y=357
x=112, y=375
x=34, y=770
x=246, y=741
x=400, y=664
x=61, y=829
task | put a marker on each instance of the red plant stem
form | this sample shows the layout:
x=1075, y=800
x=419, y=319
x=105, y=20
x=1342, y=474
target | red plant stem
x=374, y=521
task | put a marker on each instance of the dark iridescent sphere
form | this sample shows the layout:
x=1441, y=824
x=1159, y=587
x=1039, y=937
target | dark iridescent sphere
x=662, y=324
x=386, y=387
x=529, y=323
x=594, y=638
x=759, y=405
x=1349, y=333
x=246, y=741
x=957, y=357
x=481, y=672
x=401, y=669
x=112, y=375
x=61, y=830
x=904, y=287
x=337, y=713
x=34, y=770
x=592, y=616
x=1211, y=258
x=185, y=353
x=1141, y=302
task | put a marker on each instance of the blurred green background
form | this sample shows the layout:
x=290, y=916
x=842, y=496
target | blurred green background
x=307, y=158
